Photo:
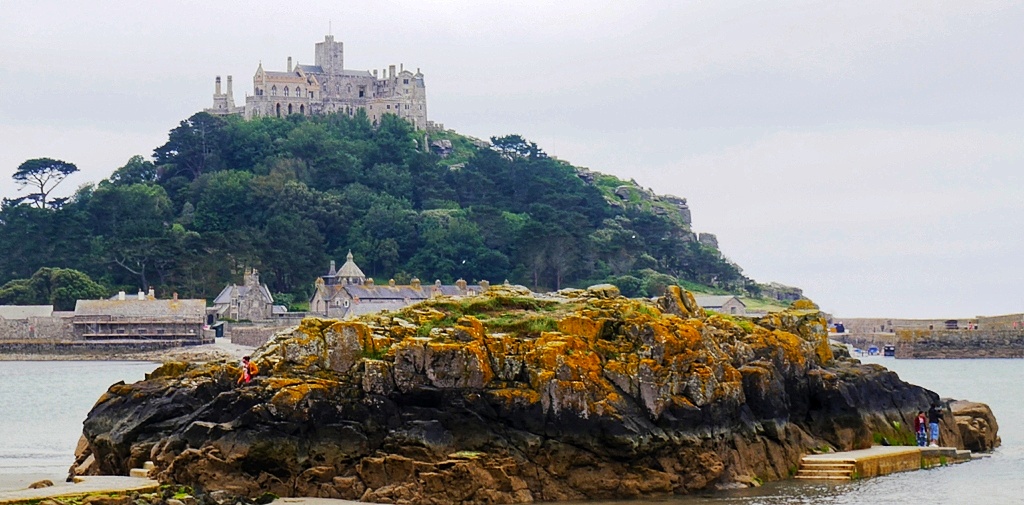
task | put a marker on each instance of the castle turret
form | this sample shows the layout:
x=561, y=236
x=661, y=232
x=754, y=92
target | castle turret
x=330, y=55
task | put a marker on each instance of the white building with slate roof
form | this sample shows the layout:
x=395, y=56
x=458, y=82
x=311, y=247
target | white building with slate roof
x=326, y=87
x=348, y=292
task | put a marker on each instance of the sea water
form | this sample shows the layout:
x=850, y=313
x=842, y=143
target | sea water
x=43, y=404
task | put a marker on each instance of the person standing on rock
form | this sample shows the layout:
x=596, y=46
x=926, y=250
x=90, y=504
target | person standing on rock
x=934, y=415
x=921, y=429
x=248, y=370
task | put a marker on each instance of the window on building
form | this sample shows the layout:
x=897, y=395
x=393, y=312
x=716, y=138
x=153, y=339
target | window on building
x=298, y=92
x=286, y=91
x=406, y=106
x=289, y=109
x=273, y=91
x=389, y=106
x=405, y=81
x=348, y=89
x=362, y=91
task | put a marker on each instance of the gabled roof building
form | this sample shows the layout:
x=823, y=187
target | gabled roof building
x=251, y=301
x=347, y=292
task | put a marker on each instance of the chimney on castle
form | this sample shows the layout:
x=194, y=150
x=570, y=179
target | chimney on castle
x=289, y=63
x=216, y=87
x=229, y=88
x=375, y=73
x=391, y=72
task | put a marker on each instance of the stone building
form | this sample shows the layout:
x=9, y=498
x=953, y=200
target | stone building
x=140, y=318
x=348, y=292
x=251, y=301
x=723, y=304
x=326, y=87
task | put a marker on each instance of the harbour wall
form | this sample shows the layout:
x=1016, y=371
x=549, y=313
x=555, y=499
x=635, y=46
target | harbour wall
x=980, y=343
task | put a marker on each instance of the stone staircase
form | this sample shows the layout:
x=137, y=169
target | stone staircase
x=822, y=470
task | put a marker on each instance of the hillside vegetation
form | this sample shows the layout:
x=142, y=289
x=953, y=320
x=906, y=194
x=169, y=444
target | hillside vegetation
x=287, y=195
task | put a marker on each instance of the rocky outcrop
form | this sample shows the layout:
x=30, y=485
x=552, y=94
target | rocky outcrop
x=509, y=398
x=976, y=424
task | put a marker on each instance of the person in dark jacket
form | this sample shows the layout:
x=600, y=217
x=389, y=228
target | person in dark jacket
x=934, y=415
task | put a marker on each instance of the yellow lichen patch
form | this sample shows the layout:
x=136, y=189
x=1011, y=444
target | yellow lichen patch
x=824, y=351
x=472, y=326
x=627, y=368
x=804, y=304
x=515, y=396
x=581, y=326
x=281, y=382
x=731, y=374
x=292, y=395
x=168, y=369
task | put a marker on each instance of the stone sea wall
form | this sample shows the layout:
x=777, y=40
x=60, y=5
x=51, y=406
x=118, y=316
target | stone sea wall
x=1007, y=343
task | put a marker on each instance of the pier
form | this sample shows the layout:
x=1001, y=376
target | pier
x=876, y=461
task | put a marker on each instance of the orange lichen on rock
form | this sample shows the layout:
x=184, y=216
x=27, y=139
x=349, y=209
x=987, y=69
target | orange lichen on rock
x=581, y=326
x=291, y=395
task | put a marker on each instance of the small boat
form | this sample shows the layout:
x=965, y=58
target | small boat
x=889, y=350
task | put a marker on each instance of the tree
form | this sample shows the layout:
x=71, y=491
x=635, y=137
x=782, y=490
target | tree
x=194, y=147
x=43, y=174
x=136, y=171
x=60, y=287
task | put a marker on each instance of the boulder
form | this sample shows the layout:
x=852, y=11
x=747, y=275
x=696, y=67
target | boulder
x=976, y=424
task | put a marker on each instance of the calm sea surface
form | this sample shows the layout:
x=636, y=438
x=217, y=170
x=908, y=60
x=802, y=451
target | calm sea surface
x=42, y=405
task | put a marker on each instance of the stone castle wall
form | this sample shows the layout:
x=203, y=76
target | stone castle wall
x=56, y=327
x=980, y=343
x=1009, y=321
x=252, y=335
x=873, y=325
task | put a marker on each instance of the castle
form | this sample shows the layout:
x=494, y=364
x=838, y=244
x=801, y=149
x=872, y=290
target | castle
x=327, y=87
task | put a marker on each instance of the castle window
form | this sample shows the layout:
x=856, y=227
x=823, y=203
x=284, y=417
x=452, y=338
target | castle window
x=273, y=90
x=348, y=89
x=302, y=109
x=389, y=106
x=406, y=106
x=278, y=110
x=405, y=81
x=289, y=109
x=362, y=91
x=286, y=91
x=298, y=92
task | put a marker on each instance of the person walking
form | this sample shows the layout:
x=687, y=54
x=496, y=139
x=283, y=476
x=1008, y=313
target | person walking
x=921, y=428
x=934, y=415
x=249, y=369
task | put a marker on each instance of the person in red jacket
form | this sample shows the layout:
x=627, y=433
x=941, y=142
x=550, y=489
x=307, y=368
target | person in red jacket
x=921, y=428
x=248, y=371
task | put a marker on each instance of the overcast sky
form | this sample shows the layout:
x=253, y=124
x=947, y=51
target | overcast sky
x=867, y=152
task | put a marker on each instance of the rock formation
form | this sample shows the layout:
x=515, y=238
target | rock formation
x=510, y=397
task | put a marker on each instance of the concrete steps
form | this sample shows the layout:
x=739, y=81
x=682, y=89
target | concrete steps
x=142, y=472
x=832, y=470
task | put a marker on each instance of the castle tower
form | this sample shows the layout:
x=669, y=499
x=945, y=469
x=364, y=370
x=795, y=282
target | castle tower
x=330, y=55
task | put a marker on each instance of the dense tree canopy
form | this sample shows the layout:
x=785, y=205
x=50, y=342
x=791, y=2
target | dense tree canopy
x=286, y=195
